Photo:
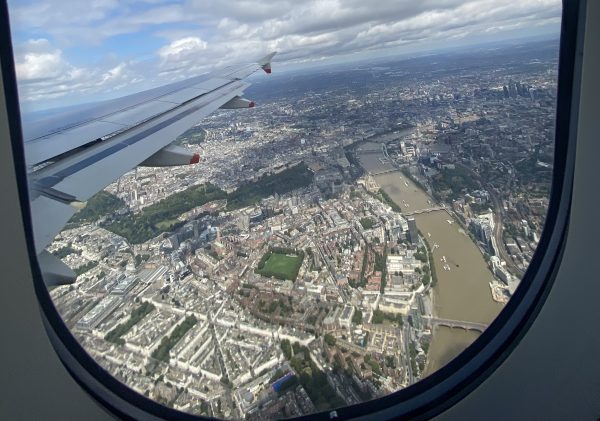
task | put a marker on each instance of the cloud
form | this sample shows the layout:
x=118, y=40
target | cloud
x=197, y=35
x=46, y=14
x=40, y=61
x=326, y=28
x=44, y=74
x=182, y=50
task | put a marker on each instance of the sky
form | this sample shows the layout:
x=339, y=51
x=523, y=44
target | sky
x=73, y=51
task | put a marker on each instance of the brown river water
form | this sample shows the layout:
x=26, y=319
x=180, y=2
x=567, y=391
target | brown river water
x=462, y=292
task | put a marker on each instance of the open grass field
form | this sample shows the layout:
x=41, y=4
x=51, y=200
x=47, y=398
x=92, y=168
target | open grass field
x=282, y=266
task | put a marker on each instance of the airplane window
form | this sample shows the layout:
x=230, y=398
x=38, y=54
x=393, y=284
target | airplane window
x=343, y=239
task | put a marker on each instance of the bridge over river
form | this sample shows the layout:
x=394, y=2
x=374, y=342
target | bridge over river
x=480, y=327
x=387, y=171
x=427, y=210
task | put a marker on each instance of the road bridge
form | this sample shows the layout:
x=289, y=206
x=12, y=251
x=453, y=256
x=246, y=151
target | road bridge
x=391, y=170
x=427, y=210
x=435, y=321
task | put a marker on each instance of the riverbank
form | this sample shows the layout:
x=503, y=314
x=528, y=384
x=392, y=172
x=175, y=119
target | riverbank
x=462, y=291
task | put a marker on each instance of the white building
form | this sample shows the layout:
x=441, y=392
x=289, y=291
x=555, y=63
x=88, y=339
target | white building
x=405, y=265
x=500, y=271
x=345, y=319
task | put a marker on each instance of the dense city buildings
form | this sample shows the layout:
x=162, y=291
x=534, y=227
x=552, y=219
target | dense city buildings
x=283, y=275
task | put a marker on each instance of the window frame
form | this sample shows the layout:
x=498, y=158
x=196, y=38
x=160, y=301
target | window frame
x=425, y=398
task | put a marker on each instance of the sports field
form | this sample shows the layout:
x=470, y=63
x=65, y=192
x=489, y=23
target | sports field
x=282, y=266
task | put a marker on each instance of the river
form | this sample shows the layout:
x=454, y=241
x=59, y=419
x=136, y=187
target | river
x=462, y=292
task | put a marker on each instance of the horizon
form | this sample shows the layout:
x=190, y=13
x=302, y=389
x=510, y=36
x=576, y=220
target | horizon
x=117, y=48
x=318, y=66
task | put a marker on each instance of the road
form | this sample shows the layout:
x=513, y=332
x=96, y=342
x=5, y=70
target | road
x=405, y=340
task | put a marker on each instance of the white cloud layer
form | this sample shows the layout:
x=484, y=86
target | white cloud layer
x=200, y=34
x=43, y=74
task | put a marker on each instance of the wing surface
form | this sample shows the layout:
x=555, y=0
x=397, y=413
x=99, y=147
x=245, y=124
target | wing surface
x=74, y=155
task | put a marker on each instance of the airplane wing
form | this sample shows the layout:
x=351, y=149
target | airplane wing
x=74, y=155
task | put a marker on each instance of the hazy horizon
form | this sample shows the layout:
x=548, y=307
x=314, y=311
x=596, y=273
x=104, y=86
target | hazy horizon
x=116, y=48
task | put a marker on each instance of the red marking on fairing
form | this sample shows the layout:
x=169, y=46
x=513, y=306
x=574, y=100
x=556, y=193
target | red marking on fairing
x=267, y=69
x=195, y=159
x=251, y=104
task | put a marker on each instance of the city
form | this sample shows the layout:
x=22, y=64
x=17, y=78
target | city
x=327, y=240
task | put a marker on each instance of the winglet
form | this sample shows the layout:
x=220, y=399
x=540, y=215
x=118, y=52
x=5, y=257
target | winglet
x=265, y=62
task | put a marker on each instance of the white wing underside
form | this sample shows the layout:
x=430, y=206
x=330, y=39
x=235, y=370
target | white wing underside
x=86, y=150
